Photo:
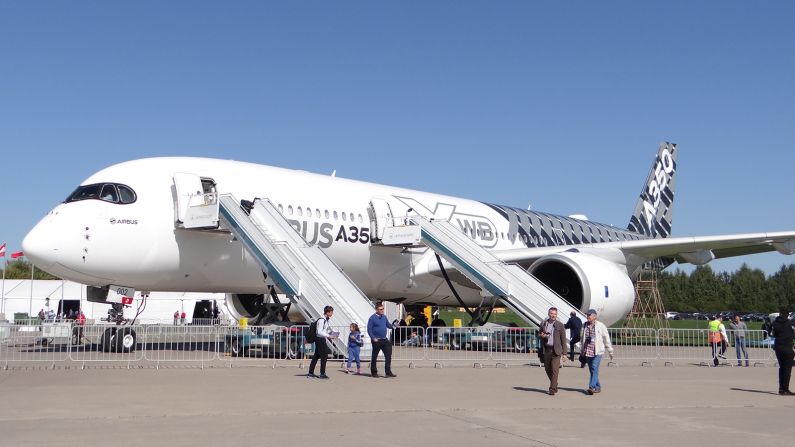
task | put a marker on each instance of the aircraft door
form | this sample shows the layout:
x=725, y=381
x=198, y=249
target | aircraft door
x=380, y=214
x=196, y=202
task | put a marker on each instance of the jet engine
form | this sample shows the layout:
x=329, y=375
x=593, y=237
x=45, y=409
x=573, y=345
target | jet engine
x=587, y=282
x=259, y=309
x=245, y=305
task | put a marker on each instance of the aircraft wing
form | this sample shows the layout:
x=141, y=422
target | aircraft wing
x=696, y=250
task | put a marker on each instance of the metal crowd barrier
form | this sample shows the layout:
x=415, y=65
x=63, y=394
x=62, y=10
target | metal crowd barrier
x=633, y=345
x=408, y=345
x=122, y=345
x=511, y=345
x=454, y=345
x=43, y=343
x=53, y=343
x=181, y=344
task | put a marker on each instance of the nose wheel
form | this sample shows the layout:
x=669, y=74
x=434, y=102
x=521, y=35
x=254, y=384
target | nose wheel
x=121, y=340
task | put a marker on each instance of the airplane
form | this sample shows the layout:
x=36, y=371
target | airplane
x=123, y=226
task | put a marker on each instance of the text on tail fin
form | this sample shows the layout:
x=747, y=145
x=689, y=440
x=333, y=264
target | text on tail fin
x=653, y=212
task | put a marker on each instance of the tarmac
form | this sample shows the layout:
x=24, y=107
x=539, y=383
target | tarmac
x=459, y=406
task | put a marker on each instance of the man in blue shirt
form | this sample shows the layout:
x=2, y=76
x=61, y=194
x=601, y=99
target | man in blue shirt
x=377, y=326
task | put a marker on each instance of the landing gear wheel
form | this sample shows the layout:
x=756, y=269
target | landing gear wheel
x=125, y=340
x=455, y=343
x=520, y=345
x=108, y=341
x=236, y=348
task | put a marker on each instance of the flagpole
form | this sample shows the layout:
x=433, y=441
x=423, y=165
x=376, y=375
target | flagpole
x=5, y=267
x=30, y=303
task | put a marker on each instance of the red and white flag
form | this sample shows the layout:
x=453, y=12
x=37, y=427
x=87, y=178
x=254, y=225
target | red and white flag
x=18, y=254
x=3, y=250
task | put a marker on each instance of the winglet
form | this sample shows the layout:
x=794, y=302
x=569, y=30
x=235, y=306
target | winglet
x=652, y=216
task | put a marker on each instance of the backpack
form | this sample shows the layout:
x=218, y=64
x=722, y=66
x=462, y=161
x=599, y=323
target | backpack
x=311, y=334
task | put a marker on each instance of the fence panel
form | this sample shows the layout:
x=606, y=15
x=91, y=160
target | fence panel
x=261, y=345
x=34, y=344
x=181, y=344
x=408, y=344
x=684, y=346
x=107, y=343
x=459, y=345
x=514, y=346
x=758, y=348
x=633, y=345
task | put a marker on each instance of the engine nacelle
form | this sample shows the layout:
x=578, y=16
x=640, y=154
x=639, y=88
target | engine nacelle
x=252, y=306
x=244, y=305
x=588, y=282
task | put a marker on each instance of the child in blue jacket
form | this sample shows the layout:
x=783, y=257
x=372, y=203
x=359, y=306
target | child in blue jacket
x=354, y=346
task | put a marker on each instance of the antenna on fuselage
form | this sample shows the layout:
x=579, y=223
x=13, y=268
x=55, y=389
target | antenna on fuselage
x=334, y=173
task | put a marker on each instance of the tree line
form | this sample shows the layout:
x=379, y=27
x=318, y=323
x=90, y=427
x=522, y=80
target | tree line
x=703, y=290
x=745, y=290
x=20, y=269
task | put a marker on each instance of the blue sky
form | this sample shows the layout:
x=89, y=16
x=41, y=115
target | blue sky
x=556, y=104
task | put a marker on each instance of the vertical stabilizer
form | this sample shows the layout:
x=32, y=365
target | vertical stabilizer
x=652, y=216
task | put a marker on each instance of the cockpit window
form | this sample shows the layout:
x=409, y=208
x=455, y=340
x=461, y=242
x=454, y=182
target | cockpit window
x=108, y=192
x=126, y=195
x=84, y=192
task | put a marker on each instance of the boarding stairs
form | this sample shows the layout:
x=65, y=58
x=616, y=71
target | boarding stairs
x=302, y=271
x=514, y=286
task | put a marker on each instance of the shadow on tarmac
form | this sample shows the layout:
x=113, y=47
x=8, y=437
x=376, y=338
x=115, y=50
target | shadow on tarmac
x=754, y=391
x=539, y=390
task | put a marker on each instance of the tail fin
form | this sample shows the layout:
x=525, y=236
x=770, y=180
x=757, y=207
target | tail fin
x=652, y=216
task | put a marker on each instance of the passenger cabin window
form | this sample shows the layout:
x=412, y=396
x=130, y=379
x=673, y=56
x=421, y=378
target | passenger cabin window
x=108, y=192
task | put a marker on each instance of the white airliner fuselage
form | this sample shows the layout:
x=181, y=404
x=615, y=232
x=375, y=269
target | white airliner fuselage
x=100, y=242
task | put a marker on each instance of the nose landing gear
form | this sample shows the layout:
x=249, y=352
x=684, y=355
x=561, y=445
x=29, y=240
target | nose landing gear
x=118, y=339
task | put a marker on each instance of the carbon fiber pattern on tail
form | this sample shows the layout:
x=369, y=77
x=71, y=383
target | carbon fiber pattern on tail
x=652, y=216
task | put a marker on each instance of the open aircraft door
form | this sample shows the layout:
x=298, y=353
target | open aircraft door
x=196, y=202
x=380, y=214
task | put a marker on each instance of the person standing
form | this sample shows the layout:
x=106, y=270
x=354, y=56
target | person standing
x=176, y=317
x=323, y=331
x=716, y=339
x=78, y=328
x=354, y=346
x=182, y=317
x=377, y=326
x=596, y=338
x=553, y=336
x=782, y=346
x=574, y=325
x=739, y=328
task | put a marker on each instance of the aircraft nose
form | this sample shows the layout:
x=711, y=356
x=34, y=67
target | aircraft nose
x=41, y=244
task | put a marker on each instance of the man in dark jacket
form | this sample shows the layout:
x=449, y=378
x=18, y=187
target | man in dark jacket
x=783, y=333
x=553, y=336
x=574, y=325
